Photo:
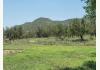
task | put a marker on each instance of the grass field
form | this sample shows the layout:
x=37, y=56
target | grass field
x=28, y=55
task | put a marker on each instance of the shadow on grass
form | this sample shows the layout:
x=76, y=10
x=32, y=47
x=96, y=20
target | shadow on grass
x=79, y=40
x=89, y=65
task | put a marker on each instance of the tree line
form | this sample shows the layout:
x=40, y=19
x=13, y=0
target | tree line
x=76, y=27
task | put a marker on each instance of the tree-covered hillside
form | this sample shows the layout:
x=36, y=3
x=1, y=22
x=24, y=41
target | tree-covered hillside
x=45, y=27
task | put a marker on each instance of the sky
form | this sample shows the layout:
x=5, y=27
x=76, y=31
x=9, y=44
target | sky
x=17, y=12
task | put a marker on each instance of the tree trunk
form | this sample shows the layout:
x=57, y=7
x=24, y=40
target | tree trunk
x=81, y=36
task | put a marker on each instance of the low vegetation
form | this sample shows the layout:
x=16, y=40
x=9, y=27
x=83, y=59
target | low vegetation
x=49, y=58
x=30, y=54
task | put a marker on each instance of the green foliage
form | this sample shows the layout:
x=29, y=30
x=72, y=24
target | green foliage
x=90, y=9
x=88, y=65
x=77, y=28
x=12, y=33
x=44, y=27
x=90, y=27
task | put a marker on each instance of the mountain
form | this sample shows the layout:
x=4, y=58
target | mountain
x=43, y=22
x=42, y=19
x=44, y=27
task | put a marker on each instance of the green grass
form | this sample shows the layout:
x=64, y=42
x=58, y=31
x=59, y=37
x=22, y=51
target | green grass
x=27, y=43
x=47, y=57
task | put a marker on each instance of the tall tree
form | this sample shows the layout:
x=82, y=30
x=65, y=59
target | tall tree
x=77, y=28
x=90, y=9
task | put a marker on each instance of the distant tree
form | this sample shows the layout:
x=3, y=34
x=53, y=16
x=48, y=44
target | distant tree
x=69, y=30
x=82, y=28
x=20, y=32
x=9, y=33
x=13, y=33
x=77, y=28
x=90, y=27
x=60, y=31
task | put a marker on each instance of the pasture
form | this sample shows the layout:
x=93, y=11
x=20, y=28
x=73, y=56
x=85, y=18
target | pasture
x=42, y=54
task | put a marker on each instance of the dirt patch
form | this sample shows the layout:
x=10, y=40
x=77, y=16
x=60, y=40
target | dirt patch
x=11, y=51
